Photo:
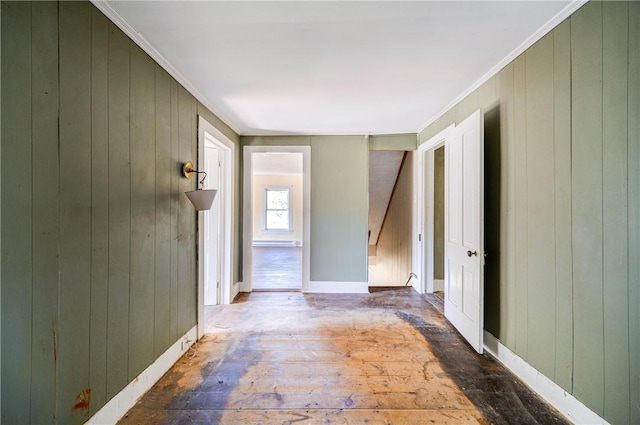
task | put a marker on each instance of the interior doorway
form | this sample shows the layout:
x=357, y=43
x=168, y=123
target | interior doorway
x=429, y=214
x=215, y=241
x=277, y=215
x=439, y=172
x=463, y=171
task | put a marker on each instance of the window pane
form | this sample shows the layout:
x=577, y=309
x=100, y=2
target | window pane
x=277, y=220
x=277, y=199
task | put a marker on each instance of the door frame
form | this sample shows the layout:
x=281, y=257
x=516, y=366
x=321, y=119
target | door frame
x=247, y=213
x=423, y=239
x=227, y=147
x=210, y=145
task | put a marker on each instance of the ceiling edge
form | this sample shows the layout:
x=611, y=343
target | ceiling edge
x=130, y=31
x=533, y=38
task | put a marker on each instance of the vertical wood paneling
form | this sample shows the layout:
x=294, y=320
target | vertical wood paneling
x=165, y=172
x=75, y=209
x=570, y=210
x=93, y=293
x=185, y=213
x=562, y=152
x=508, y=312
x=540, y=206
x=586, y=56
x=614, y=210
x=46, y=219
x=143, y=214
x=487, y=101
x=633, y=161
x=492, y=210
x=393, y=262
x=16, y=221
x=99, y=209
x=175, y=203
x=192, y=142
x=119, y=212
x=487, y=94
x=521, y=210
x=465, y=108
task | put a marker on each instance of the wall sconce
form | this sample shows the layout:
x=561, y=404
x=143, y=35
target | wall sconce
x=201, y=198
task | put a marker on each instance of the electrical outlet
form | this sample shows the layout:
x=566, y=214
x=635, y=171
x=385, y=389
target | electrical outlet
x=185, y=343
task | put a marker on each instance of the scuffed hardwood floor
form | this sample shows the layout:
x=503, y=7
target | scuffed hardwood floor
x=277, y=268
x=383, y=358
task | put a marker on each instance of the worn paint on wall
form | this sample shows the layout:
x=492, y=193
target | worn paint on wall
x=99, y=243
x=568, y=289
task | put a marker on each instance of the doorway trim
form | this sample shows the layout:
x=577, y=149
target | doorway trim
x=247, y=213
x=423, y=244
x=227, y=146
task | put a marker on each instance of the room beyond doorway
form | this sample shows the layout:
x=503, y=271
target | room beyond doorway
x=276, y=217
x=277, y=268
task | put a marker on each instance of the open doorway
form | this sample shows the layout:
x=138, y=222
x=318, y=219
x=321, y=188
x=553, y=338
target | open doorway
x=277, y=214
x=438, y=221
x=215, y=157
x=429, y=214
x=276, y=218
x=390, y=250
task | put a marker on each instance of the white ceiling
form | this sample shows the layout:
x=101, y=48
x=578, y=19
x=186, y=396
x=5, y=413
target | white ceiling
x=277, y=163
x=362, y=67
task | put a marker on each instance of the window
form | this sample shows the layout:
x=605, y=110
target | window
x=277, y=209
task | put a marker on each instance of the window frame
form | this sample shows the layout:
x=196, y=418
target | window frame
x=279, y=188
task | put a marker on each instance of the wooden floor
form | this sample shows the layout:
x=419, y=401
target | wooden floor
x=277, y=268
x=383, y=358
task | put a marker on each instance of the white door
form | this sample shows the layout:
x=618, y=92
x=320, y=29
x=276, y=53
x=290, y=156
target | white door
x=212, y=219
x=464, y=224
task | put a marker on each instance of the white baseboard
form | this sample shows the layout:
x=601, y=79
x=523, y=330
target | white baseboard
x=280, y=244
x=122, y=402
x=235, y=290
x=244, y=287
x=438, y=285
x=338, y=287
x=567, y=404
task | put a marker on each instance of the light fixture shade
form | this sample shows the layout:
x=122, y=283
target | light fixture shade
x=202, y=199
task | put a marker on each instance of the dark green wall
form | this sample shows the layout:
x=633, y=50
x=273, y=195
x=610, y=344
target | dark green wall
x=563, y=136
x=98, y=239
x=438, y=213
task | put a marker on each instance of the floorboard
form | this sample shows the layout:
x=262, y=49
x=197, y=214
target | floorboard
x=277, y=268
x=388, y=357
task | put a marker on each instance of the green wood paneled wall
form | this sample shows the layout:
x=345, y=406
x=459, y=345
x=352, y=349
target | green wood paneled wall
x=569, y=292
x=98, y=240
